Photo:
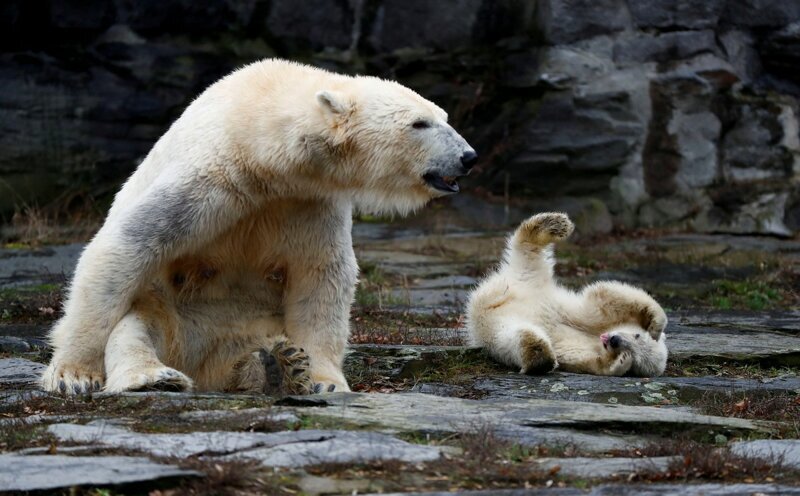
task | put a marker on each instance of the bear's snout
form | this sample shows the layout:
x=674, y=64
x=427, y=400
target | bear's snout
x=468, y=159
x=615, y=341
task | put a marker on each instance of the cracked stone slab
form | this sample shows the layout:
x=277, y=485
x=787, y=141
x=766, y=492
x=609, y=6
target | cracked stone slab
x=206, y=415
x=11, y=397
x=600, y=468
x=180, y=445
x=785, y=450
x=776, y=348
x=632, y=490
x=12, y=344
x=43, y=472
x=37, y=265
x=785, y=321
x=20, y=372
x=625, y=390
x=515, y=418
x=349, y=447
x=279, y=449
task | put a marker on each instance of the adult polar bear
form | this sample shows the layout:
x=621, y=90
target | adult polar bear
x=235, y=229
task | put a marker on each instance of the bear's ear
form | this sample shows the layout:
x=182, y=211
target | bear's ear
x=333, y=102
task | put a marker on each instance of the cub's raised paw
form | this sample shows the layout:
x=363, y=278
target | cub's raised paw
x=287, y=370
x=71, y=380
x=653, y=320
x=155, y=379
x=546, y=228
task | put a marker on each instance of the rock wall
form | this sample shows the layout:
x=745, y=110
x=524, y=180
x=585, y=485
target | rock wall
x=646, y=112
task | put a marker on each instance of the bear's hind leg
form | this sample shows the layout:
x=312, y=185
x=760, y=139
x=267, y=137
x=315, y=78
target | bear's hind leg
x=281, y=371
x=542, y=229
x=536, y=353
x=132, y=363
x=530, y=254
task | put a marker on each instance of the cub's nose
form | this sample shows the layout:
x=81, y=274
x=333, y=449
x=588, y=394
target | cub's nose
x=615, y=341
x=468, y=159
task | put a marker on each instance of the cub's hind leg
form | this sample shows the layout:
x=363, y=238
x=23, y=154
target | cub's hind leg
x=132, y=362
x=529, y=254
x=543, y=229
x=282, y=370
x=514, y=342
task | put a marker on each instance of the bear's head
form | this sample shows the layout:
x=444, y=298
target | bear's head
x=649, y=355
x=396, y=150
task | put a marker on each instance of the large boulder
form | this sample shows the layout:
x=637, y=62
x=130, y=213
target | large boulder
x=567, y=21
x=676, y=14
x=761, y=13
x=780, y=52
x=664, y=47
x=421, y=23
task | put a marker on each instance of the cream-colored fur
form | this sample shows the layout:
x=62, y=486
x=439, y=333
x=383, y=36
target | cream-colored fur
x=525, y=319
x=235, y=229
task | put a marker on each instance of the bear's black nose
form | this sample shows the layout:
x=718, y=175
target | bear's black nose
x=468, y=159
x=615, y=341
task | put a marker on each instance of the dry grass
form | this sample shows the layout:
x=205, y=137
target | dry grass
x=776, y=406
x=705, y=462
x=15, y=436
x=373, y=326
x=226, y=478
x=40, y=304
x=68, y=219
x=487, y=462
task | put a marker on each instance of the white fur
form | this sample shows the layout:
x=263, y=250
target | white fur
x=235, y=229
x=524, y=318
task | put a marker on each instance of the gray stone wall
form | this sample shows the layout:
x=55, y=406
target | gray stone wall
x=648, y=112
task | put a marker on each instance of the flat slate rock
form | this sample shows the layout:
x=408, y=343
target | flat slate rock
x=12, y=344
x=540, y=421
x=43, y=472
x=601, y=468
x=787, y=451
x=779, y=348
x=37, y=265
x=284, y=449
x=351, y=447
x=784, y=320
x=632, y=490
x=624, y=390
x=18, y=371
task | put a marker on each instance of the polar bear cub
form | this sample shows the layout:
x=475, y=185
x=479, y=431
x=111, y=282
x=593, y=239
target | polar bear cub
x=524, y=318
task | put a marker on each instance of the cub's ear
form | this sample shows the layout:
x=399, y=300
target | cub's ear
x=334, y=102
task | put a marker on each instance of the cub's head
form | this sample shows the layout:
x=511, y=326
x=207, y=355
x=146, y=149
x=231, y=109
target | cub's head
x=649, y=355
x=397, y=150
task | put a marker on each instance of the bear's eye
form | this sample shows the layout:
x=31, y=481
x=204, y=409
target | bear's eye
x=637, y=336
x=421, y=125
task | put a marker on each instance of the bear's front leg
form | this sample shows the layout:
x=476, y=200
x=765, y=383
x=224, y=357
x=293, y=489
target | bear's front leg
x=124, y=254
x=317, y=308
x=608, y=304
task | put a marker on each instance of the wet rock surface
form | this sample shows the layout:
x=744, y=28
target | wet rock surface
x=43, y=472
x=431, y=413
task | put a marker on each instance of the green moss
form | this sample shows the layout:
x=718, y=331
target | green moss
x=754, y=295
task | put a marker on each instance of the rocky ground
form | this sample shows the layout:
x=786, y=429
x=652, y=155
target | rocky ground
x=430, y=415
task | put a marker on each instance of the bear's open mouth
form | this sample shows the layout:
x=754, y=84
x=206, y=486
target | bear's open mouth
x=447, y=184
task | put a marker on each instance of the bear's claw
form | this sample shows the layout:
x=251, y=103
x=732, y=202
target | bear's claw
x=70, y=380
x=287, y=370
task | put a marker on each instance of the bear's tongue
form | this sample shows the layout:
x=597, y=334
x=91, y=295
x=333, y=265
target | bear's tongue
x=442, y=183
